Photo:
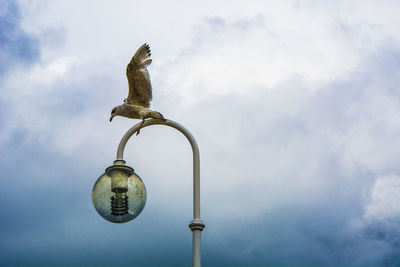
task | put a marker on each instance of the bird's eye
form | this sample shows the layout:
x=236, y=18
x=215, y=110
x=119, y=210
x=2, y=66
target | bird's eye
x=113, y=111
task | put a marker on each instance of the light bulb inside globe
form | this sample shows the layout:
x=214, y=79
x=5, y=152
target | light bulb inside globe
x=119, y=195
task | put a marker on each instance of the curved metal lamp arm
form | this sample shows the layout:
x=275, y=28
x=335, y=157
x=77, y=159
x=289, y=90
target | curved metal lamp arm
x=196, y=225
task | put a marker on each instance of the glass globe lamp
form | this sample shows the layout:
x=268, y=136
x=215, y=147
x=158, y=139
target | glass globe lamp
x=119, y=195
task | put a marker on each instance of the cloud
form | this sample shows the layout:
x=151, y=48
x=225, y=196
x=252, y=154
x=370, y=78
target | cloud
x=294, y=106
x=15, y=44
x=318, y=145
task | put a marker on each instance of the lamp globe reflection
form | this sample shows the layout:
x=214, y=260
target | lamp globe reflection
x=119, y=195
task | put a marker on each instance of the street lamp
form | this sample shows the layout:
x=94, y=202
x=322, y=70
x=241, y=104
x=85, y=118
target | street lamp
x=119, y=194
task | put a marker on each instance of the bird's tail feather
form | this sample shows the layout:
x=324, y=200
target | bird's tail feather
x=157, y=115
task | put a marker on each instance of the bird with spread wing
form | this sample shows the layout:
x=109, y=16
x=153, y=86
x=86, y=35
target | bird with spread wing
x=136, y=106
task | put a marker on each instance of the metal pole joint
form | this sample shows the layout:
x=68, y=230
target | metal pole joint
x=197, y=225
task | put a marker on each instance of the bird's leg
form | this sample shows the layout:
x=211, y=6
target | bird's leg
x=140, y=127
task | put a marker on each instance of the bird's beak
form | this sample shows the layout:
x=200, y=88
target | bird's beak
x=111, y=118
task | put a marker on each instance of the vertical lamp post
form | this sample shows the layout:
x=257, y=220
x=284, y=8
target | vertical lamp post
x=119, y=195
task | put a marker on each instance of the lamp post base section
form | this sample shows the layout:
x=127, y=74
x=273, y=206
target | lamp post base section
x=196, y=226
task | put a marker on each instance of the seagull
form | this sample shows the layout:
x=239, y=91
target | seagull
x=136, y=105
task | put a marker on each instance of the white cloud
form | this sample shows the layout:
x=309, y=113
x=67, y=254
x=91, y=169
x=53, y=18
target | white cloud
x=385, y=196
x=238, y=75
x=293, y=104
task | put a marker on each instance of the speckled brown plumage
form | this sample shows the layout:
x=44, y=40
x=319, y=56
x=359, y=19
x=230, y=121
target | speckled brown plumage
x=136, y=105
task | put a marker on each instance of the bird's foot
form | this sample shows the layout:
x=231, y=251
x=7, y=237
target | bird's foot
x=140, y=127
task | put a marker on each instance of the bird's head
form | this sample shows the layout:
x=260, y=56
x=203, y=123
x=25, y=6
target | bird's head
x=115, y=112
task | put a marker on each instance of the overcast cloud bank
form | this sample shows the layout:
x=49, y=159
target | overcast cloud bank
x=295, y=106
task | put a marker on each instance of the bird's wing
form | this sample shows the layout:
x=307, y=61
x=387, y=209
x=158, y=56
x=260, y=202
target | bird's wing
x=140, y=92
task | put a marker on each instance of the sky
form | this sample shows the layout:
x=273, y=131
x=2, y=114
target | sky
x=295, y=106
